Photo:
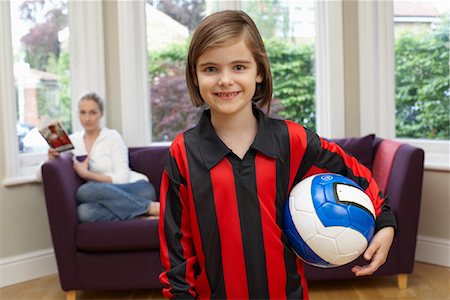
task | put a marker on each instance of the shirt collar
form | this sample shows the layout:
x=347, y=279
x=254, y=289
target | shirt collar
x=214, y=150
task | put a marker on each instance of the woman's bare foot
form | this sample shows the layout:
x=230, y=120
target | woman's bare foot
x=153, y=208
x=146, y=217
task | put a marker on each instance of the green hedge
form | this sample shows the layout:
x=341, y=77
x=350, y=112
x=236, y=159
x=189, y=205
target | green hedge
x=422, y=85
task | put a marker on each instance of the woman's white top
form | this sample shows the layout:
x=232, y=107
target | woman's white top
x=109, y=156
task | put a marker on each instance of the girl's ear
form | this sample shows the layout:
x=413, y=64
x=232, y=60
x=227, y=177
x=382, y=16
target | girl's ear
x=194, y=77
x=259, y=78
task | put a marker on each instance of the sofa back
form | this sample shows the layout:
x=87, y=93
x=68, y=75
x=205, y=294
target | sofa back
x=150, y=161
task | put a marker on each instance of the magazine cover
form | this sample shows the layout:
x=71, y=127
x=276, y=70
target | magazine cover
x=56, y=136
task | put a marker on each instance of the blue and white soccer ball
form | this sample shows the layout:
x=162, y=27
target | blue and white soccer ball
x=329, y=220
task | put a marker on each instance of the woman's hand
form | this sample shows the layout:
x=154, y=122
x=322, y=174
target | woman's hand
x=81, y=168
x=377, y=252
x=52, y=153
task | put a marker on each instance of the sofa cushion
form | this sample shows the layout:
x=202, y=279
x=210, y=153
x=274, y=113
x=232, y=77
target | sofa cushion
x=359, y=147
x=118, y=236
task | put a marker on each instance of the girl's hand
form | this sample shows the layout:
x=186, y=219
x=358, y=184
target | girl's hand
x=81, y=168
x=377, y=252
x=52, y=153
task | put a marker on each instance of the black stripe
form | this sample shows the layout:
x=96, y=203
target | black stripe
x=251, y=227
x=293, y=291
x=334, y=163
x=173, y=171
x=312, y=145
x=202, y=191
x=172, y=220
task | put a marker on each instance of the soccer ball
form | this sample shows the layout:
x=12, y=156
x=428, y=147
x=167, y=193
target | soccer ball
x=328, y=220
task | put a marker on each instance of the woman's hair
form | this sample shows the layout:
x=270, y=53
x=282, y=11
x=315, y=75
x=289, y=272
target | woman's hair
x=217, y=30
x=94, y=97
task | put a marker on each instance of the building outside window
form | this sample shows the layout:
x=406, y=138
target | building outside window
x=41, y=68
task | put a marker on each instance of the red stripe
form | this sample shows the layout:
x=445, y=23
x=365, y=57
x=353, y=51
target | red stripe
x=304, y=283
x=225, y=201
x=359, y=170
x=297, y=137
x=315, y=170
x=266, y=186
x=191, y=241
x=164, y=252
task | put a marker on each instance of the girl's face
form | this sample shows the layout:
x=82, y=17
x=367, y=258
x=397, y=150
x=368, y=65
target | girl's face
x=89, y=114
x=227, y=78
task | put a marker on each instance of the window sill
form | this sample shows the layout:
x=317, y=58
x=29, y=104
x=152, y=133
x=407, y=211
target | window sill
x=437, y=153
x=429, y=166
x=19, y=180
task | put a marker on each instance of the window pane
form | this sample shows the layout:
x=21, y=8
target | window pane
x=288, y=29
x=422, y=69
x=40, y=38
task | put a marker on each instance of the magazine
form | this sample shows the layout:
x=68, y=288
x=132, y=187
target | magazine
x=56, y=136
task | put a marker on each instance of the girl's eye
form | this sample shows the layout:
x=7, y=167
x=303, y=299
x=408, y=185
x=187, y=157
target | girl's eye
x=210, y=69
x=239, y=68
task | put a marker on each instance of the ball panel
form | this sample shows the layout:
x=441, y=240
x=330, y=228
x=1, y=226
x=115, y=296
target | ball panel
x=317, y=193
x=332, y=214
x=345, y=259
x=351, y=241
x=299, y=246
x=361, y=221
x=324, y=247
x=353, y=195
x=304, y=224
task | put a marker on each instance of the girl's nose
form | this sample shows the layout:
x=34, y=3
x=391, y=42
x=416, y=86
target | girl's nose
x=225, y=79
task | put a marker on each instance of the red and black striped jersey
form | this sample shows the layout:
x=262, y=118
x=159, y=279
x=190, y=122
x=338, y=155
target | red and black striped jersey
x=222, y=217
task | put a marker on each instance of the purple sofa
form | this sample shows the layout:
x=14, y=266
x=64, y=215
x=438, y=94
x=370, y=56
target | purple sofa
x=125, y=254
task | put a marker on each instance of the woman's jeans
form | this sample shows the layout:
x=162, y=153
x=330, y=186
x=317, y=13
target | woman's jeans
x=101, y=201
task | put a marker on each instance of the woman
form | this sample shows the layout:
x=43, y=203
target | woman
x=112, y=191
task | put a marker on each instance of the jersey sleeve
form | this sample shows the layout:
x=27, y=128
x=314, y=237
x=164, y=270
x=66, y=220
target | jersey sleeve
x=176, y=248
x=322, y=156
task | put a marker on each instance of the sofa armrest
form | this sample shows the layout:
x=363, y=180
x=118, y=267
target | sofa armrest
x=60, y=185
x=404, y=189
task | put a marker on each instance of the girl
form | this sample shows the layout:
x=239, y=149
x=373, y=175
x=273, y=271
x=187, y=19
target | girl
x=227, y=179
x=113, y=191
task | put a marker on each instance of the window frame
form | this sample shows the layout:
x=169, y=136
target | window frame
x=330, y=99
x=377, y=82
x=7, y=94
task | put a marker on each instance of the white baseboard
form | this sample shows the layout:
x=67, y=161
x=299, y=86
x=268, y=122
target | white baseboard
x=32, y=265
x=28, y=266
x=433, y=250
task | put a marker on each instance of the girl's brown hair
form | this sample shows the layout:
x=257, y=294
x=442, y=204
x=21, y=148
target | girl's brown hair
x=217, y=30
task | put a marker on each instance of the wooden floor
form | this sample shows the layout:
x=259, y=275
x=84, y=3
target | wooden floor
x=427, y=282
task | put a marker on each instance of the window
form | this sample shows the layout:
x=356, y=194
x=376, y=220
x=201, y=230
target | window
x=404, y=85
x=421, y=31
x=289, y=43
x=35, y=85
